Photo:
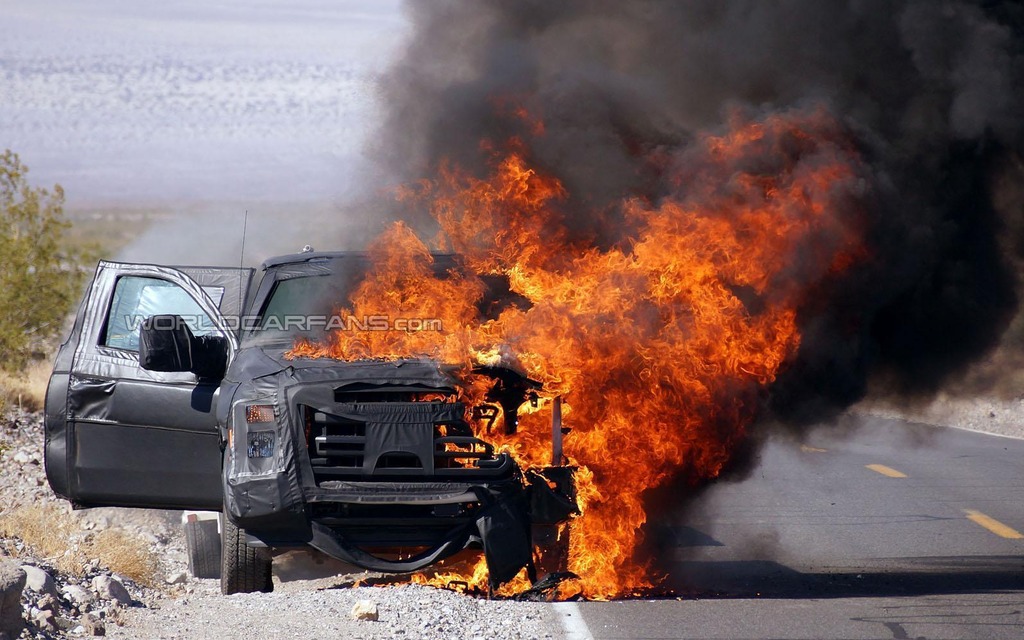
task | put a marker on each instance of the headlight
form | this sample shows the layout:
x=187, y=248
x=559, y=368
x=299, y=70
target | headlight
x=261, y=444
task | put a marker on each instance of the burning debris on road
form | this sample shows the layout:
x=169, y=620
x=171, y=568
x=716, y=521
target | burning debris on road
x=709, y=211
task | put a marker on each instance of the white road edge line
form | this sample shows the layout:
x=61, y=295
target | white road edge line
x=573, y=624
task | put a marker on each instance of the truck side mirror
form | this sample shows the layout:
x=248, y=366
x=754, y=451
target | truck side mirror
x=166, y=343
x=210, y=356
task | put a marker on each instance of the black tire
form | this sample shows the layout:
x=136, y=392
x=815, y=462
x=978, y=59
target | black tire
x=244, y=569
x=202, y=541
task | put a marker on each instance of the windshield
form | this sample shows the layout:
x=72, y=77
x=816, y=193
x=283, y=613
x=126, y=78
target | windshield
x=298, y=298
x=309, y=302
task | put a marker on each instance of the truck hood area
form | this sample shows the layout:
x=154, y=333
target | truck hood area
x=258, y=361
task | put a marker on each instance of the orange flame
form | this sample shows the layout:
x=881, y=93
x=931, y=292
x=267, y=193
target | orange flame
x=660, y=345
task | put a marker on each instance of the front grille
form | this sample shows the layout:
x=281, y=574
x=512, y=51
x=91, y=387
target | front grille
x=400, y=440
x=340, y=442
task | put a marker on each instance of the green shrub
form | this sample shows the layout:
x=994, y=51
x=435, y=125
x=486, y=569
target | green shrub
x=40, y=274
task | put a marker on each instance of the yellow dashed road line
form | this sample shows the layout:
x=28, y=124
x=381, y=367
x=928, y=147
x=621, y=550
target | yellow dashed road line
x=886, y=471
x=993, y=525
x=808, y=449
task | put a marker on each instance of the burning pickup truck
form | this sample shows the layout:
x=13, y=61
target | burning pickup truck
x=177, y=388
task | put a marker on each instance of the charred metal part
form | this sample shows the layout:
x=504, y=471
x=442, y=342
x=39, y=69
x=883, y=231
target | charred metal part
x=546, y=589
x=510, y=390
x=459, y=586
x=552, y=494
x=486, y=413
x=551, y=548
x=556, y=431
x=499, y=297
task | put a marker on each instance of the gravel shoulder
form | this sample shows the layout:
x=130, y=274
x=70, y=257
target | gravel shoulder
x=298, y=610
x=1004, y=417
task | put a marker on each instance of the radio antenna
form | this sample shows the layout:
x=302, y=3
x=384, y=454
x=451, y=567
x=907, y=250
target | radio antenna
x=241, y=272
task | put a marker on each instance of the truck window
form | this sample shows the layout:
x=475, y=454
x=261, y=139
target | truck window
x=300, y=297
x=137, y=298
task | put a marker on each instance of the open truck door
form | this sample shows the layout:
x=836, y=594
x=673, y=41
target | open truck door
x=118, y=434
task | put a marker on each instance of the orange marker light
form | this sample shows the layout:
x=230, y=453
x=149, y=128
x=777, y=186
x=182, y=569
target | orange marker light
x=259, y=413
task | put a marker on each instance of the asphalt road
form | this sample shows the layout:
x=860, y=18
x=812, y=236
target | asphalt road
x=871, y=528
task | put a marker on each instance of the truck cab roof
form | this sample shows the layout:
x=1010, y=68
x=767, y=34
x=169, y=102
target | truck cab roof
x=323, y=256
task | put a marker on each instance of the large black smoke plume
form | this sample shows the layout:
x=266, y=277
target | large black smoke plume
x=931, y=92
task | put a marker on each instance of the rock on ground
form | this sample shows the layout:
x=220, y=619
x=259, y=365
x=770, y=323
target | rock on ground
x=365, y=610
x=12, y=583
x=109, y=588
x=38, y=580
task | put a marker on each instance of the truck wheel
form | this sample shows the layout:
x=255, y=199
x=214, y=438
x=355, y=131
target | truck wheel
x=203, y=545
x=244, y=569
